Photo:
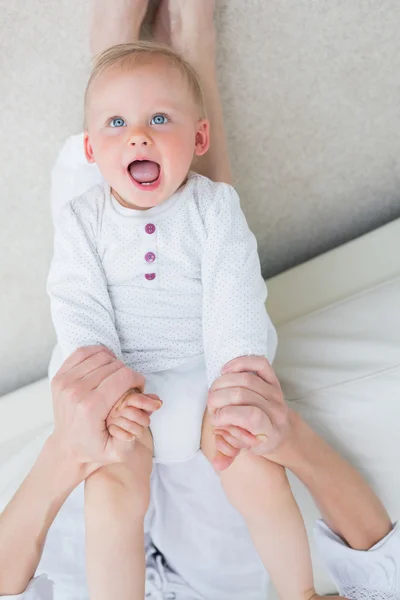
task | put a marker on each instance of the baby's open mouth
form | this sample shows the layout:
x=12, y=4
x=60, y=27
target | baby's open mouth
x=144, y=172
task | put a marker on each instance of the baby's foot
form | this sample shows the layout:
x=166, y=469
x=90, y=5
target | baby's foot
x=115, y=22
x=188, y=27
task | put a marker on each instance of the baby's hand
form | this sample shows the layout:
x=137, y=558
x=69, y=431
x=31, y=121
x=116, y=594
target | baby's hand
x=229, y=442
x=131, y=415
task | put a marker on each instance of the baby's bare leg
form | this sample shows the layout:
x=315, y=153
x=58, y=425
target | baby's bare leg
x=116, y=501
x=115, y=22
x=189, y=28
x=260, y=491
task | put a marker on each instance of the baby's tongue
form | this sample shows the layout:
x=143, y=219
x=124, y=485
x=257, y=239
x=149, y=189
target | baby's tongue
x=144, y=171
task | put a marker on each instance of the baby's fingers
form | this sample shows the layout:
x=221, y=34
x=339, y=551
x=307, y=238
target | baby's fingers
x=120, y=434
x=146, y=402
x=130, y=427
x=229, y=442
x=225, y=455
x=132, y=414
x=238, y=437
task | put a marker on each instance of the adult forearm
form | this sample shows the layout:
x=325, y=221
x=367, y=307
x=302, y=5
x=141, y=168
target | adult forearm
x=346, y=501
x=25, y=521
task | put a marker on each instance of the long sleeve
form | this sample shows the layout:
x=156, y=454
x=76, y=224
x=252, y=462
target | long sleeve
x=235, y=321
x=80, y=304
x=362, y=575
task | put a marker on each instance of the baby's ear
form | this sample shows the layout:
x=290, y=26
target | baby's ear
x=87, y=146
x=202, y=141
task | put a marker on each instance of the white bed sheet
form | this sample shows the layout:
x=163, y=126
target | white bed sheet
x=341, y=273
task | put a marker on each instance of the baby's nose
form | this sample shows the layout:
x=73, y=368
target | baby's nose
x=139, y=138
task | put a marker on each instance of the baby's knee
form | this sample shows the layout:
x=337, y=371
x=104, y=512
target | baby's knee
x=252, y=483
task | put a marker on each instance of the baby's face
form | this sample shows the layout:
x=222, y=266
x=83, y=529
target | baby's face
x=143, y=130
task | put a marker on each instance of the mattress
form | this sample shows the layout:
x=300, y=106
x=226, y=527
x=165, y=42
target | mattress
x=339, y=274
x=338, y=323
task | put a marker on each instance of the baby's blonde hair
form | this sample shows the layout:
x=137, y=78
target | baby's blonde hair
x=128, y=55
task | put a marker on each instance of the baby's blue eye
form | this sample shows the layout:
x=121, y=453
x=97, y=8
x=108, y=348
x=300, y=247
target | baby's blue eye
x=159, y=120
x=117, y=122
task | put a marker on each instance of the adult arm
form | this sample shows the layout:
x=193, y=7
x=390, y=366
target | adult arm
x=85, y=389
x=249, y=397
x=347, y=503
x=26, y=520
x=215, y=164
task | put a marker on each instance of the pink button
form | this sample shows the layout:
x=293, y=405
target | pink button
x=150, y=276
x=150, y=257
x=150, y=228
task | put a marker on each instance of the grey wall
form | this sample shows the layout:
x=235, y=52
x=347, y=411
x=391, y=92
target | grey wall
x=311, y=92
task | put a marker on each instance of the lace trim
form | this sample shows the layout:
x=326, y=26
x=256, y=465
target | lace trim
x=358, y=593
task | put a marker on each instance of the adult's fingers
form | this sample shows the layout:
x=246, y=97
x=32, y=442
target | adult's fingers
x=86, y=375
x=116, y=385
x=243, y=379
x=80, y=355
x=241, y=388
x=268, y=434
x=255, y=364
x=90, y=374
x=91, y=365
x=250, y=418
x=82, y=388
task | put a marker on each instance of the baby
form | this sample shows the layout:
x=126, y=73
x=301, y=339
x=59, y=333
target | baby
x=159, y=266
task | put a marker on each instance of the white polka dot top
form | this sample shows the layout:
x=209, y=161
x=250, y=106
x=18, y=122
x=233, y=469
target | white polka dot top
x=160, y=286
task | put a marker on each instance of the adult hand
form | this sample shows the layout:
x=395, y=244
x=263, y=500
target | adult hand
x=85, y=389
x=247, y=410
